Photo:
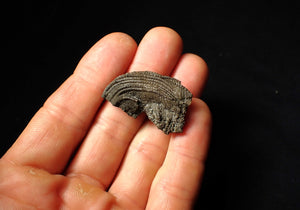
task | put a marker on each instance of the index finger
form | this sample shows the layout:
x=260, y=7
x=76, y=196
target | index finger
x=58, y=127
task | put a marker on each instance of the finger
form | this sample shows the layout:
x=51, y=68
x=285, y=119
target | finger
x=159, y=51
x=192, y=71
x=102, y=151
x=149, y=147
x=178, y=180
x=57, y=128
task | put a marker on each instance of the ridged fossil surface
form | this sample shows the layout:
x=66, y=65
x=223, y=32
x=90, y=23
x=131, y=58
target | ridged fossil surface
x=162, y=98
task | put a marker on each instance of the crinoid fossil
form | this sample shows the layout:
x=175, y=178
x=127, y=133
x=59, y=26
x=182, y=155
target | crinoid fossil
x=162, y=98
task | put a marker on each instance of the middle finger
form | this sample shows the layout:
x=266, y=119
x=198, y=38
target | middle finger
x=102, y=151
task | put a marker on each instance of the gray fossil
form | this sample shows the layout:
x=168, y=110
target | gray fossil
x=162, y=98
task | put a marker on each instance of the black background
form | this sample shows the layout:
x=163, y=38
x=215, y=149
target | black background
x=252, y=50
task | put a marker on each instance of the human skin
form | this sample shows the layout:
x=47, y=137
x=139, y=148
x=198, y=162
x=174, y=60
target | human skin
x=79, y=152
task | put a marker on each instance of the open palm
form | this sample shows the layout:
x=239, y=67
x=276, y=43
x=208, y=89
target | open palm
x=80, y=153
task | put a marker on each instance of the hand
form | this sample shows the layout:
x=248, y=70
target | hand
x=80, y=153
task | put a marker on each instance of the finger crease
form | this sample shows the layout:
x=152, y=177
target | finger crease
x=89, y=79
x=88, y=179
x=149, y=151
x=118, y=131
x=66, y=116
x=179, y=152
x=176, y=191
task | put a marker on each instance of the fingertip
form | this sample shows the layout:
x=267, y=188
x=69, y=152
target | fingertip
x=120, y=38
x=192, y=71
x=196, y=133
x=166, y=32
x=158, y=51
x=199, y=117
x=202, y=66
x=110, y=45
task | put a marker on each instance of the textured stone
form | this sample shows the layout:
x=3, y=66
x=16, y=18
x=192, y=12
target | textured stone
x=162, y=98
